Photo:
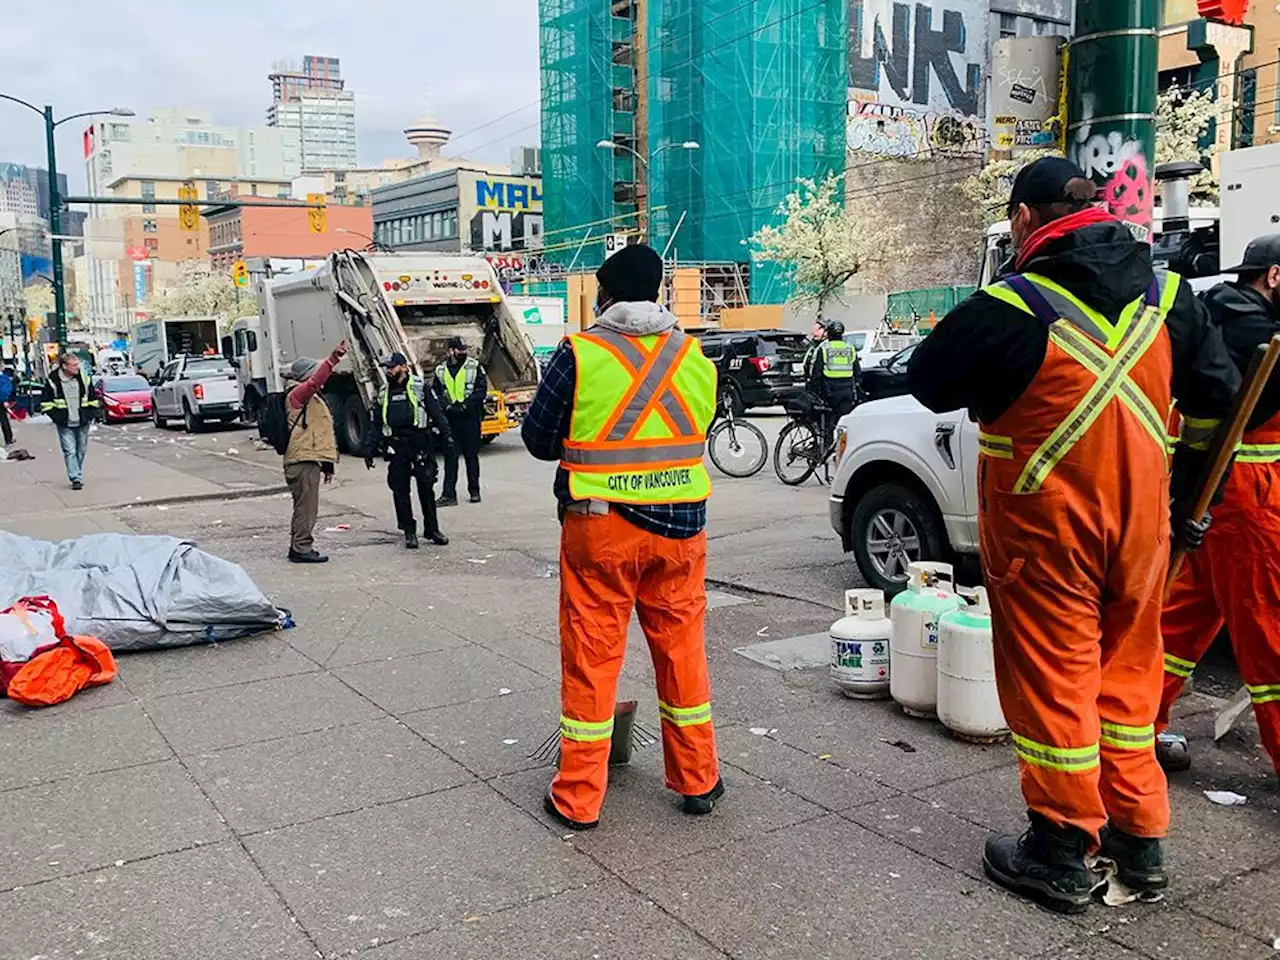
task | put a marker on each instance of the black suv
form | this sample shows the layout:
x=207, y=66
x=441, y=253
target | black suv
x=759, y=368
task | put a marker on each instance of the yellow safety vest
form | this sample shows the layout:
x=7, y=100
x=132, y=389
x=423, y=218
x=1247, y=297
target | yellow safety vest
x=413, y=389
x=60, y=401
x=838, y=359
x=458, y=388
x=641, y=409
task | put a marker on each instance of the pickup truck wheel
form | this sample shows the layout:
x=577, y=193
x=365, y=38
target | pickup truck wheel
x=158, y=420
x=190, y=422
x=893, y=526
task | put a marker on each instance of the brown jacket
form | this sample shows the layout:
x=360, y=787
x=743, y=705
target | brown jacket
x=313, y=439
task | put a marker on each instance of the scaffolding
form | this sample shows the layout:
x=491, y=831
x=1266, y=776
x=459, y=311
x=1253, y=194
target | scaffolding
x=759, y=86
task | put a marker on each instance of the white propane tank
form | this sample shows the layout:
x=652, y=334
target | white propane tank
x=913, y=644
x=860, y=646
x=968, y=703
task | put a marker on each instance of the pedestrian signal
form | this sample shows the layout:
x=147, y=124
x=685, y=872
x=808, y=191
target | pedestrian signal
x=316, y=214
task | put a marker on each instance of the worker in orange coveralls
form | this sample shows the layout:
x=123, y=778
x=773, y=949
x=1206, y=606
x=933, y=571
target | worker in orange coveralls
x=1236, y=575
x=1070, y=365
x=625, y=408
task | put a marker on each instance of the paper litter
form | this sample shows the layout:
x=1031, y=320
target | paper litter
x=1226, y=798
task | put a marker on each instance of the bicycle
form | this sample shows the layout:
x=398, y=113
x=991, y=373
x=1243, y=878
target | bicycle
x=803, y=445
x=737, y=447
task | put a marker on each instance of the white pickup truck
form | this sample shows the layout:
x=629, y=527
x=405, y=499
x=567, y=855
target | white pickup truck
x=195, y=390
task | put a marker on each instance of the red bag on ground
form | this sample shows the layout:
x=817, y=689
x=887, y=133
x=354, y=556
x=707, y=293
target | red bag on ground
x=58, y=674
x=30, y=626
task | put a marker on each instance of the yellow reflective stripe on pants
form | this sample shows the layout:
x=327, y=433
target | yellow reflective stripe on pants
x=685, y=716
x=995, y=446
x=1069, y=759
x=585, y=731
x=1128, y=738
x=1177, y=666
x=1266, y=693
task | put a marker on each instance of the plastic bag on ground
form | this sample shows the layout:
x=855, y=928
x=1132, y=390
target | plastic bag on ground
x=137, y=592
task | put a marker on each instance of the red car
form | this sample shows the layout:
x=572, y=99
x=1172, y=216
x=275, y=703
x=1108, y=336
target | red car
x=125, y=397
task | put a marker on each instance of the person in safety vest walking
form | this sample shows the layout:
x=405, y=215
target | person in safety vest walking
x=1071, y=365
x=70, y=400
x=400, y=429
x=461, y=386
x=625, y=408
x=1233, y=577
x=833, y=374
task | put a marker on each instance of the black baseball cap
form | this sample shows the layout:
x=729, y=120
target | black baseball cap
x=1043, y=182
x=1261, y=254
x=455, y=343
x=395, y=360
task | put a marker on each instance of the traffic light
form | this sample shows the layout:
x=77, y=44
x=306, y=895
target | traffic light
x=189, y=213
x=316, y=214
x=240, y=273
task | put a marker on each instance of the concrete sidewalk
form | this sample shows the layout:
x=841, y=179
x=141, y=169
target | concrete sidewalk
x=361, y=784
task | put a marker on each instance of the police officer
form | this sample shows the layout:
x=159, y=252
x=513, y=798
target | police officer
x=833, y=375
x=403, y=419
x=461, y=386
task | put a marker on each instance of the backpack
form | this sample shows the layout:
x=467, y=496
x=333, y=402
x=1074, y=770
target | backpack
x=273, y=422
x=6, y=388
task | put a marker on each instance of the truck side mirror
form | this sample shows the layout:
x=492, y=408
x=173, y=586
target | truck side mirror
x=227, y=349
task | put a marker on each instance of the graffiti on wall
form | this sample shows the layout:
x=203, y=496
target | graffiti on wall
x=915, y=76
x=508, y=214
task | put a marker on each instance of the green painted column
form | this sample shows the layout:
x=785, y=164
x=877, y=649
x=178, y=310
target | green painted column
x=1112, y=79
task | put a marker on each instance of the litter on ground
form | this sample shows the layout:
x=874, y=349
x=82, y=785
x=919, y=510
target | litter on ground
x=1226, y=798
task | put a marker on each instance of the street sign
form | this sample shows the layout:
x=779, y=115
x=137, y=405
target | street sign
x=240, y=273
x=189, y=213
x=614, y=242
x=316, y=214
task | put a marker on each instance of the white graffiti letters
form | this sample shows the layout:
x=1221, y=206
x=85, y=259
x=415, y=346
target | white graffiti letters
x=1100, y=156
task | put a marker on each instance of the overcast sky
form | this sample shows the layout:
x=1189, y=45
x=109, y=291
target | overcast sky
x=471, y=60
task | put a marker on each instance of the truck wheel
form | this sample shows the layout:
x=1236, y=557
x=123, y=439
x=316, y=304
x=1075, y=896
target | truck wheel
x=485, y=441
x=891, y=526
x=158, y=420
x=190, y=422
x=352, y=421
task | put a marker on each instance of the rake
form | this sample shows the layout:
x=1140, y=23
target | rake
x=627, y=735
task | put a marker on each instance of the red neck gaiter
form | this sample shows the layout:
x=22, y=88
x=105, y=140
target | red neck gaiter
x=1060, y=228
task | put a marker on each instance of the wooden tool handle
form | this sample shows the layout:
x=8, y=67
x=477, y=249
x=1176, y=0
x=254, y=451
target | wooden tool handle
x=1264, y=362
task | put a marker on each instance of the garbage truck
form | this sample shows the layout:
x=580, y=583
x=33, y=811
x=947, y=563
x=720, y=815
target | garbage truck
x=383, y=303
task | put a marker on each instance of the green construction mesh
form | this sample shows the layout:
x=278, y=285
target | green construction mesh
x=760, y=86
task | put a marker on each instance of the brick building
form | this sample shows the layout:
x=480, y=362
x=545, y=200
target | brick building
x=239, y=232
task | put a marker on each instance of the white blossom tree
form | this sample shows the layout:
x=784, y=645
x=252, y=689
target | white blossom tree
x=822, y=243
x=1182, y=119
x=201, y=291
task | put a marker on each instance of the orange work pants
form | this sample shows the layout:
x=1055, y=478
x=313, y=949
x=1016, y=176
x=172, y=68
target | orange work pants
x=1234, y=578
x=1076, y=623
x=609, y=566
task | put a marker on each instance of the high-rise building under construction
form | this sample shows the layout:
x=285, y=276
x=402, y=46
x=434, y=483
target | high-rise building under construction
x=686, y=122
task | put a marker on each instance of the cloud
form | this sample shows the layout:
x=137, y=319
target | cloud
x=467, y=62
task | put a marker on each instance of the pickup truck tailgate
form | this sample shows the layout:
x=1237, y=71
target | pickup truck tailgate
x=217, y=391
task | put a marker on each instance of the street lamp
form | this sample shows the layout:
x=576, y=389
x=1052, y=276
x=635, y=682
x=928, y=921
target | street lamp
x=55, y=201
x=644, y=162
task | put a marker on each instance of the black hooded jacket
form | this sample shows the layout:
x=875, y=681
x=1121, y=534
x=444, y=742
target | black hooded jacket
x=1247, y=320
x=985, y=353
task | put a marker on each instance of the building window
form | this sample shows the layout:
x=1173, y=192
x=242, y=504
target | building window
x=1008, y=25
x=151, y=243
x=148, y=226
x=148, y=193
x=211, y=189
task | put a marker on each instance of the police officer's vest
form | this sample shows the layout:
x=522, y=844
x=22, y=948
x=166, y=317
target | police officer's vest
x=838, y=359
x=458, y=388
x=641, y=409
x=413, y=391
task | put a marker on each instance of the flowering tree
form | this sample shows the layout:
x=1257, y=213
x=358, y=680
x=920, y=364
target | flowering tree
x=1182, y=119
x=200, y=291
x=822, y=242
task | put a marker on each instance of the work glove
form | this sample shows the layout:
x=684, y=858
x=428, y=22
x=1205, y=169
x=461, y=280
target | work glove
x=368, y=463
x=1189, y=532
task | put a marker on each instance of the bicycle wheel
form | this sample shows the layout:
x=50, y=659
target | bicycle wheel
x=738, y=448
x=796, y=454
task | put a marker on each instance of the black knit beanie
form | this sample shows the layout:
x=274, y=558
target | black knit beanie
x=633, y=273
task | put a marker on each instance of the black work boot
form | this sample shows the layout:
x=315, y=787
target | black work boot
x=549, y=805
x=702, y=805
x=411, y=538
x=447, y=501
x=438, y=538
x=1046, y=864
x=1139, y=860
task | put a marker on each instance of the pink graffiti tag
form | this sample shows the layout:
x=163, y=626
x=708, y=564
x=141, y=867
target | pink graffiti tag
x=1128, y=193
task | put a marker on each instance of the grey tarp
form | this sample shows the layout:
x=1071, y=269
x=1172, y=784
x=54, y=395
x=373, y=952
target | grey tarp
x=135, y=592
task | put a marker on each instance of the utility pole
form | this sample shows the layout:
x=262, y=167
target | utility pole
x=55, y=231
x=1112, y=81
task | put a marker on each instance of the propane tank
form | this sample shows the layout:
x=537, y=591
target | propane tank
x=968, y=703
x=860, y=646
x=913, y=643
